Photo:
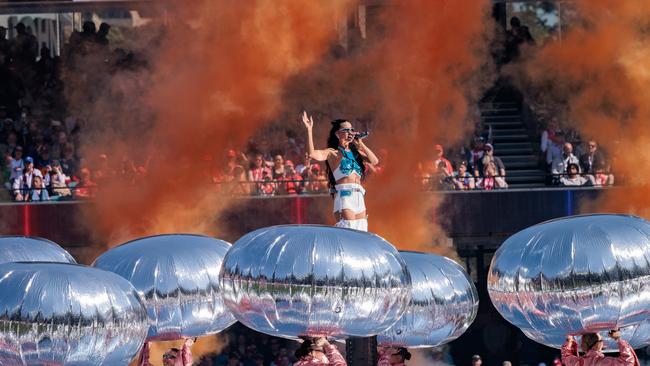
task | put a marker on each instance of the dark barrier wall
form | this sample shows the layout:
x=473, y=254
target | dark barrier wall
x=471, y=218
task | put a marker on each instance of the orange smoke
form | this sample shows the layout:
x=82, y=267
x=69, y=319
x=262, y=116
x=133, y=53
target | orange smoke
x=413, y=79
x=209, y=84
x=429, y=76
x=600, y=73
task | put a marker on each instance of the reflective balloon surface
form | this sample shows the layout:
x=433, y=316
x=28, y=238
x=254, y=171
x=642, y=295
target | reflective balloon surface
x=30, y=249
x=308, y=280
x=178, y=277
x=444, y=303
x=575, y=275
x=68, y=314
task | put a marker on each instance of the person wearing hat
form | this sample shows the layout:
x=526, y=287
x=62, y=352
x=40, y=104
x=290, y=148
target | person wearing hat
x=592, y=346
x=318, y=351
x=463, y=180
x=440, y=157
x=476, y=360
x=23, y=183
x=393, y=356
x=488, y=157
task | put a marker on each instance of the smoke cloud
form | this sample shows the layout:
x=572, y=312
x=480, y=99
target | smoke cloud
x=193, y=90
x=598, y=73
x=411, y=82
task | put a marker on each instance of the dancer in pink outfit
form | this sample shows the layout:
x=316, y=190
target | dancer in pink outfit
x=592, y=345
x=318, y=351
x=173, y=356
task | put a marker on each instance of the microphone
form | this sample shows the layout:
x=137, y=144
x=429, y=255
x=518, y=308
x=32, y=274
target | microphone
x=362, y=135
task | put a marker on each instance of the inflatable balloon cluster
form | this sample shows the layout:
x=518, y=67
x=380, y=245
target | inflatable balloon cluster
x=295, y=281
x=576, y=275
x=55, y=312
x=288, y=281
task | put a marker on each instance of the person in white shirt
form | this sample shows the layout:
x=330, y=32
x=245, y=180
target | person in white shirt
x=561, y=163
x=572, y=178
x=23, y=183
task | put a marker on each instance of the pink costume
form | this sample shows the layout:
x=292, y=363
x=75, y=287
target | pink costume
x=384, y=360
x=333, y=355
x=570, y=356
x=184, y=359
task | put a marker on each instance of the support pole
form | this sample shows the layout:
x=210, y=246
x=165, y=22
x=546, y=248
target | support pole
x=361, y=351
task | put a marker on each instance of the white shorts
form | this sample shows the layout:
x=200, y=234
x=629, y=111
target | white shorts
x=358, y=224
x=349, y=196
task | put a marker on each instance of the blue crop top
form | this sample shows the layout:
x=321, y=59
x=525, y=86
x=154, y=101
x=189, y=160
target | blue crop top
x=347, y=165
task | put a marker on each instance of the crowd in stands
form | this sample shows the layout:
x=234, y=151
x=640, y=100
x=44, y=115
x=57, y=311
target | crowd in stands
x=39, y=142
x=570, y=160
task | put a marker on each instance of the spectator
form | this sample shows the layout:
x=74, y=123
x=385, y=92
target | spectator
x=23, y=183
x=292, y=180
x=59, y=145
x=476, y=360
x=442, y=180
x=601, y=178
x=278, y=167
x=506, y=363
x=268, y=187
x=488, y=158
x=57, y=181
x=102, y=34
x=69, y=162
x=476, y=154
x=554, y=148
x=551, y=135
x=572, y=177
x=440, y=157
x=4, y=43
x=86, y=188
x=239, y=185
x=592, y=158
x=490, y=180
x=16, y=164
x=463, y=180
x=561, y=163
x=38, y=191
x=305, y=165
x=43, y=159
x=316, y=180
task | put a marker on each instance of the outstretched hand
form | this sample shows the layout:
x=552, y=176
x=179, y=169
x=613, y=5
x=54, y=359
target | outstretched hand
x=307, y=120
x=321, y=342
x=615, y=334
x=569, y=338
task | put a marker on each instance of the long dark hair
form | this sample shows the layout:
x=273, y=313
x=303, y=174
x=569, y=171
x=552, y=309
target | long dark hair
x=333, y=143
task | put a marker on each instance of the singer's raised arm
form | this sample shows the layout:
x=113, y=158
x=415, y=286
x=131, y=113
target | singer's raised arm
x=318, y=155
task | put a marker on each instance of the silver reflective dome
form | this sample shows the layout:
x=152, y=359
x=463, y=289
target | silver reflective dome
x=178, y=277
x=60, y=313
x=309, y=280
x=31, y=249
x=444, y=303
x=575, y=275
